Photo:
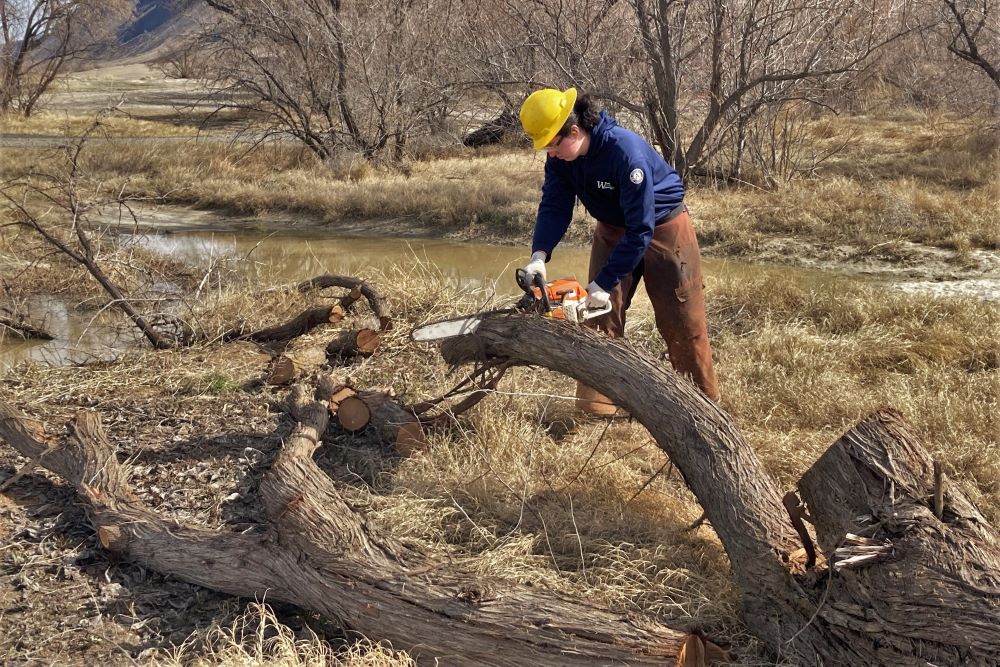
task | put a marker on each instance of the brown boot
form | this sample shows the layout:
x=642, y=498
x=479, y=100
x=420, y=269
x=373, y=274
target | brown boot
x=593, y=402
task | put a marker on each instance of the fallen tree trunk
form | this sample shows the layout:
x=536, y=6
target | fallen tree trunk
x=320, y=555
x=877, y=471
x=23, y=330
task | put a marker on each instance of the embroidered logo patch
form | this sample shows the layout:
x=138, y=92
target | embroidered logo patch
x=636, y=176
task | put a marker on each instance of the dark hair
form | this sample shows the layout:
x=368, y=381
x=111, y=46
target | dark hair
x=584, y=114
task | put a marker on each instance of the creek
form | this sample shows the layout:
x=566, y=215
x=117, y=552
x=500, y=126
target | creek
x=288, y=256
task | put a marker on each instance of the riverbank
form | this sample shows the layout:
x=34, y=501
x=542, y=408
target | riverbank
x=913, y=196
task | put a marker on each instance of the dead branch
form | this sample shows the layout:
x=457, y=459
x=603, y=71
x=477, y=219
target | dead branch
x=24, y=330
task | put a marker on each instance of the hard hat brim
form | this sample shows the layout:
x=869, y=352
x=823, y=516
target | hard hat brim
x=541, y=141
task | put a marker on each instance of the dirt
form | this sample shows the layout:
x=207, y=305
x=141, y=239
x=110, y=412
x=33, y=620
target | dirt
x=901, y=265
x=195, y=456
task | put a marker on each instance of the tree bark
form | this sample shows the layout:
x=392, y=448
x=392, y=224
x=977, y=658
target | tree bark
x=918, y=587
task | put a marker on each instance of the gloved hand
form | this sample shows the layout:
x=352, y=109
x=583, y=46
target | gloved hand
x=596, y=296
x=536, y=265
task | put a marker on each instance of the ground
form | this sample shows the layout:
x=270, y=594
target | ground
x=523, y=487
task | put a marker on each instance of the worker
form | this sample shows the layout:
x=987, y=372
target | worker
x=643, y=228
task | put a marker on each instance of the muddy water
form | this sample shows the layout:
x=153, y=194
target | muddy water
x=289, y=257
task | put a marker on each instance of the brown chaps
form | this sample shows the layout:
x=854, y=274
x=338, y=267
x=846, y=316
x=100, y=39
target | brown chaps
x=671, y=269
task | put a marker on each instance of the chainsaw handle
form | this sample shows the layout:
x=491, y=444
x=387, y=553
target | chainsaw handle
x=521, y=276
x=578, y=313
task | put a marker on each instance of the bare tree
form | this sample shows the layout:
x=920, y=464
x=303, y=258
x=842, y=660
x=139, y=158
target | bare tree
x=696, y=74
x=974, y=32
x=717, y=64
x=39, y=38
x=334, y=75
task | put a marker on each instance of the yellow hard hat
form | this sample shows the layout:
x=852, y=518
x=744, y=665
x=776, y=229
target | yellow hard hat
x=545, y=112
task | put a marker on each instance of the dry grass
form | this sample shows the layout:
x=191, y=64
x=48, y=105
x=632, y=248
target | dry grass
x=258, y=638
x=65, y=124
x=522, y=488
x=915, y=177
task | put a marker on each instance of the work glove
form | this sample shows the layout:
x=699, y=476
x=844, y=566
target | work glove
x=536, y=265
x=597, y=297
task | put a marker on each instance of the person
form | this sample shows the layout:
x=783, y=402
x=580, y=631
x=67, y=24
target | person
x=643, y=229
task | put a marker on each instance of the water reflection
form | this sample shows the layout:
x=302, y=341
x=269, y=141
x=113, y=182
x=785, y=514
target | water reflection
x=80, y=337
x=289, y=257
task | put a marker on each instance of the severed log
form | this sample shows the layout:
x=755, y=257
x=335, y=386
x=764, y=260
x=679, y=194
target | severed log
x=355, y=343
x=302, y=323
x=301, y=356
x=873, y=616
x=353, y=414
x=317, y=553
x=372, y=295
x=390, y=420
x=23, y=330
x=314, y=317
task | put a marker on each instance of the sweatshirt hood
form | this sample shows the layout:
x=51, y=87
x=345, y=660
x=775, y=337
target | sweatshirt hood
x=599, y=135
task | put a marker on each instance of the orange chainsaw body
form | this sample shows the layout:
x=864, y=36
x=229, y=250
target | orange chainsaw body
x=563, y=292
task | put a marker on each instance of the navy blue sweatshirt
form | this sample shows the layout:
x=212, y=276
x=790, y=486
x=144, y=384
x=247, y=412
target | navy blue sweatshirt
x=621, y=181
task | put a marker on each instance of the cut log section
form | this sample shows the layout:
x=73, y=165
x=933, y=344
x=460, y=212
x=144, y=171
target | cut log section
x=385, y=416
x=353, y=414
x=301, y=356
x=355, y=343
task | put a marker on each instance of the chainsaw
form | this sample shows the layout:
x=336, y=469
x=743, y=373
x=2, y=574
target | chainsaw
x=562, y=299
